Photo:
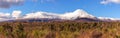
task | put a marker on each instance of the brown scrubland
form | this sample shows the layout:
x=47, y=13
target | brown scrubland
x=61, y=29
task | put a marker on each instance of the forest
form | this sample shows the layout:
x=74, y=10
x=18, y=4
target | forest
x=61, y=29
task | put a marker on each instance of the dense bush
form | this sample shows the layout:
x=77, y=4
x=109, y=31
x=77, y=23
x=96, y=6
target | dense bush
x=62, y=29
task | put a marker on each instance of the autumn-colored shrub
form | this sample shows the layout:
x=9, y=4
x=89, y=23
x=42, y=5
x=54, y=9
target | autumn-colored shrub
x=60, y=29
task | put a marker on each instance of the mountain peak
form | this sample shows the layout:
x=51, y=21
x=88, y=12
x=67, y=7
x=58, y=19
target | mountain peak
x=81, y=13
x=78, y=10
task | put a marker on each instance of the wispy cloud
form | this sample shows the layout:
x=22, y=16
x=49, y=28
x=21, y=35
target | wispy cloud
x=43, y=1
x=110, y=1
x=9, y=3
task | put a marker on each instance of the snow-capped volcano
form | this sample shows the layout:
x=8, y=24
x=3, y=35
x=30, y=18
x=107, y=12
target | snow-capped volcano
x=67, y=16
x=77, y=14
x=81, y=13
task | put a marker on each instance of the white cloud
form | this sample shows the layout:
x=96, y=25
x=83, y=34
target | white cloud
x=110, y=1
x=3, y=19
x=16, y=14
x=4, y=15
x=40, y=15
x=108, y=18
x=7, y=16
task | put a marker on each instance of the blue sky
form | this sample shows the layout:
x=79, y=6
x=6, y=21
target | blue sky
x=95, y=7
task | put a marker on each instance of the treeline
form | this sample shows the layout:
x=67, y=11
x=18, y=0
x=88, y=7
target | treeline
x=63, y=29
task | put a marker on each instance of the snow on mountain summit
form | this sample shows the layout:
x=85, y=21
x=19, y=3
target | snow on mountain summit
x=82, y=13
x=77, y=13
